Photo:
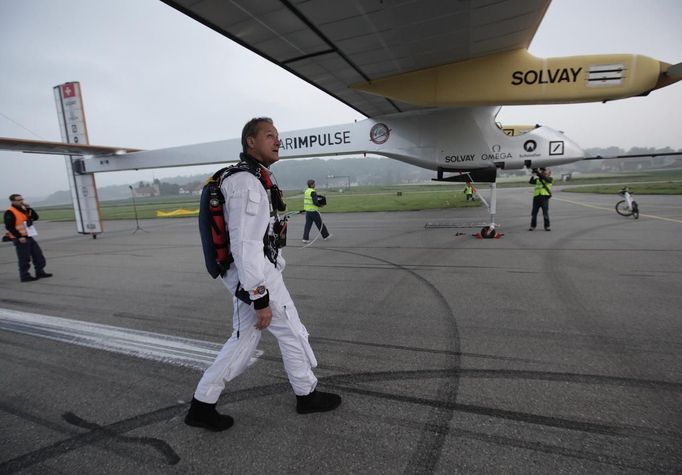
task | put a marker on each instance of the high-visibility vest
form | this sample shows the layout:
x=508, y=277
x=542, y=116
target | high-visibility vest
x=20, y=219
x=308, y=204
x=540, y=190
x=468, y=189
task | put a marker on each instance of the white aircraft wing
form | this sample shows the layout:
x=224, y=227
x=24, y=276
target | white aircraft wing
x=334, y=45
x=60, y=148
x=636, y=155
x=392, y=56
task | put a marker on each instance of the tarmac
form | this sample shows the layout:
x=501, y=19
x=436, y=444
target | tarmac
x=539, y=352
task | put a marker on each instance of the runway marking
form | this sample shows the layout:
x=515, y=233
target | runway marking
x=652, y=216
x=167, y=349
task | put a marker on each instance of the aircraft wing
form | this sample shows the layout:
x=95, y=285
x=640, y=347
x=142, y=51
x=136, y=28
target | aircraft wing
x=636, y=155
x=334, y=45
x=60, y=148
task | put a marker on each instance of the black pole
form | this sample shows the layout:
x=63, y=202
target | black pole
x=137, y=221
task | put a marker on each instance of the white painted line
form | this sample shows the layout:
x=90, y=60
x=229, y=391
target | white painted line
x=167, y=349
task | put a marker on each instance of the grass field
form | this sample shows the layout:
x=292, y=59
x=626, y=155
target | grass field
x=667, y=182
x=123, y=209
x=389, y=198
x=655, y=181
x=648, y=188
x=394, y=198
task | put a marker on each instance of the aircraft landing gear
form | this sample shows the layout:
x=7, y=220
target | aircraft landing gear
x=489, y=231
x=489, y=175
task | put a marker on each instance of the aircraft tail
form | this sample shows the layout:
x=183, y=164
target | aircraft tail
x=74, y=130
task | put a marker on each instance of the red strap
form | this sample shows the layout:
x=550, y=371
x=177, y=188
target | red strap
x=265, y=175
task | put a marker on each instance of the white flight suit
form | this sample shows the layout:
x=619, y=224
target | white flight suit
x=247, y=214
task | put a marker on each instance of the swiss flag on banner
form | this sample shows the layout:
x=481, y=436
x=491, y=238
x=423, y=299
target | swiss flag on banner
x=68, y=90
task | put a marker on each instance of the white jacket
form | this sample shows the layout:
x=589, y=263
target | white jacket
x=247, y=214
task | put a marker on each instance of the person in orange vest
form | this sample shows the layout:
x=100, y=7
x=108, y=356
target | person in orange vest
x=19, y=219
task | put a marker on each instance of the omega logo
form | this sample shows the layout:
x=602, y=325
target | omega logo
x=530, y=146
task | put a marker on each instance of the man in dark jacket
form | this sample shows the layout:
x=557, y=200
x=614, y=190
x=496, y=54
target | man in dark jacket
x=19, y=219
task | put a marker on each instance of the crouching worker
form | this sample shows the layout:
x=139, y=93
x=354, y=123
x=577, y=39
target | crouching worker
x=260, y=298
x=469, y=191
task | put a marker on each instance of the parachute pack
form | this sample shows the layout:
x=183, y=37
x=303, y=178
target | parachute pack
x=215, y=240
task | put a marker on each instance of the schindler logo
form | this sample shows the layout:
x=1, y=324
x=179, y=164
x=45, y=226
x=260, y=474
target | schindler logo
x=530, y=146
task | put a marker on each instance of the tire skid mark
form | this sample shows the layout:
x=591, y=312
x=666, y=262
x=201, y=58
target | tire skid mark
x=96, y=430
x=578, y=378
x=164, y=414
x=419, y=350
x=61, y=447
x=620, y=430
x=538, y=446
x=427, y=455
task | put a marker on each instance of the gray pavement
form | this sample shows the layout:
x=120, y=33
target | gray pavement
x=539, y=352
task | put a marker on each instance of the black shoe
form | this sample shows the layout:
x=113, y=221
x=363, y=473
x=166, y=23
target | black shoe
x=29, y=278
x=547, y=229
x=317, y=401
x=203, y=414
x=43, y=275
x=531, y=229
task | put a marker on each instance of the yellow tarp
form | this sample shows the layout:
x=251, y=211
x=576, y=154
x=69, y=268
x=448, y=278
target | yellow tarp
x=177, y=212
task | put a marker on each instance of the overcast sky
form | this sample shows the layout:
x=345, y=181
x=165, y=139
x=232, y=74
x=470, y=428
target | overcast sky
x=153, y=78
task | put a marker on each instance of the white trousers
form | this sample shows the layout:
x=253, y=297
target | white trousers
x=237, y=353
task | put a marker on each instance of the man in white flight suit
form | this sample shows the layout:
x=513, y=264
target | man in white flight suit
x=247, y=211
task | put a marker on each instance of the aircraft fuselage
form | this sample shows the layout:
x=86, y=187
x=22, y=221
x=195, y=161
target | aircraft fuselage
x=439, y=139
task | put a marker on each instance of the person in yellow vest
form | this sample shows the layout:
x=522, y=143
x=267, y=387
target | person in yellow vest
x=469, y=191
x=311, y=205
x=541, y=195
x=19, y=219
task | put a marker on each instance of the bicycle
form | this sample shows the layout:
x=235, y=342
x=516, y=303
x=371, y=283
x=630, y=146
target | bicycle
x=628, y=206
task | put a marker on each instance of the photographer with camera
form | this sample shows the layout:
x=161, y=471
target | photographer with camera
x=541, y=195
x=19, y=219
x=312, y=202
